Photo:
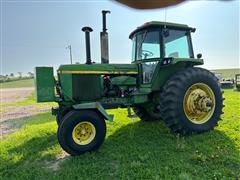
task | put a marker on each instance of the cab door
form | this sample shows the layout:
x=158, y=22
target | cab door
x=148, y=53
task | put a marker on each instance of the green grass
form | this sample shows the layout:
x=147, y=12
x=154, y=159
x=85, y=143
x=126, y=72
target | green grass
x=228, y=73
x=18, y=84
x=30, y=100
x=132, y=150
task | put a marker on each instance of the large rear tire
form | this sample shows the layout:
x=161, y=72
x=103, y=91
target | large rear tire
x=81, y=131
x=191, y=101
x=147, y=114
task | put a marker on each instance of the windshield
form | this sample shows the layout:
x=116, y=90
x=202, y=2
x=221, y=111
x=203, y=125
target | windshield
x=146, y=45
x=177, y=44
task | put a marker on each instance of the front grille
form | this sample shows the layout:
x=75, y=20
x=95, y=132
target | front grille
x=86, y=87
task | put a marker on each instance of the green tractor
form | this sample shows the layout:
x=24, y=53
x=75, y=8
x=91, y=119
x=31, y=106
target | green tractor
x=161, y=83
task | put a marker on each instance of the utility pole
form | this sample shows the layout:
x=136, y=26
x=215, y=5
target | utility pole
x=70, y=52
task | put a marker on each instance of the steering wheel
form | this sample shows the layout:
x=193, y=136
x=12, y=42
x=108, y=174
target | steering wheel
x=147, y=54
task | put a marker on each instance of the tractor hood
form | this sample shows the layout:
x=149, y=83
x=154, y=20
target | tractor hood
x=99, y=69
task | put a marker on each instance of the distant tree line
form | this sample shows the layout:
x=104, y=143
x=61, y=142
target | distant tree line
x=12, y=77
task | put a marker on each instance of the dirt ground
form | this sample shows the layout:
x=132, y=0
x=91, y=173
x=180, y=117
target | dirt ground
x=14, y=112
x=10, y=112
x=8, y=96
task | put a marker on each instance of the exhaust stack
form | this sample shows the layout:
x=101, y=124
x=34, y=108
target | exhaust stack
x=104, y=40
x=87, y=31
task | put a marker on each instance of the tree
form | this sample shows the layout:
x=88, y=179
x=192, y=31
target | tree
x=20, y=74
x=30, y=74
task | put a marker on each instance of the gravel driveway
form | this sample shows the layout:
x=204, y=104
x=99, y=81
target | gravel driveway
x=10, y=111
x=9, y=96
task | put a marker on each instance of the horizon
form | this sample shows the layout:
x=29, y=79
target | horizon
x=25, y=74
x=37, y=33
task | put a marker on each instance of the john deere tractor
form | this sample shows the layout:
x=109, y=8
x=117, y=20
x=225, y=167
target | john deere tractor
x=162, y=82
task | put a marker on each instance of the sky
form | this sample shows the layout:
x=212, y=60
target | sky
x=36, y=33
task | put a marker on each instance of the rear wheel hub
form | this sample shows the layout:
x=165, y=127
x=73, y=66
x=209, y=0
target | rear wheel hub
x=199, y=103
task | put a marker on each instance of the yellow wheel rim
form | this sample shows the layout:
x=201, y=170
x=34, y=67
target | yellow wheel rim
x=83, y=133
x=199, y=103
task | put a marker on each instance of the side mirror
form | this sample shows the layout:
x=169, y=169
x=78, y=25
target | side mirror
x=165, y=32
x=199, y=55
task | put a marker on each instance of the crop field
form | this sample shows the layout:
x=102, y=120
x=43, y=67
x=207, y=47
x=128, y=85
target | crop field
x=132, y=150
x=18, y=84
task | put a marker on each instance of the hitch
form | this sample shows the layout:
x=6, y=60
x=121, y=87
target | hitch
x=130, y=115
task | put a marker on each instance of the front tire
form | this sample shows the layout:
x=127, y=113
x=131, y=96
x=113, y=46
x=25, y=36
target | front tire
x=81, y=131
x=62, y=112
x=191, y=101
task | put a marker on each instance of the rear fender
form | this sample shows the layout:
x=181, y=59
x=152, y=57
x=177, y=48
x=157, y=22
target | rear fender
x=168, y=67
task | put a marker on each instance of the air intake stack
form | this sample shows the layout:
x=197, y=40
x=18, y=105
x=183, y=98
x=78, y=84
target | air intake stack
x=104, y=40
x=87, y=31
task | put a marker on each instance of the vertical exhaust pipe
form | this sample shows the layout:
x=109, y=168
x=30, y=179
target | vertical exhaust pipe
x=87, y=31
x=104, y=40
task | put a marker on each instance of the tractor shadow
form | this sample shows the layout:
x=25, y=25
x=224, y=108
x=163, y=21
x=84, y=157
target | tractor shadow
x=152, y=144
x=156, y=137
x=30, y=156
x=33, y=151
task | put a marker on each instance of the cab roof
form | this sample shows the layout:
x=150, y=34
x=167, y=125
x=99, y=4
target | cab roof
x=161, y=24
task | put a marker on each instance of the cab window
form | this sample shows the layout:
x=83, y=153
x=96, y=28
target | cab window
x=147, y=45
x=176, y=44
x=133, y=48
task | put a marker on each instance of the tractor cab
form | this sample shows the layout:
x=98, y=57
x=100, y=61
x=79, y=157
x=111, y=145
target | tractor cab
x=162, y=42
x=158, y=40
